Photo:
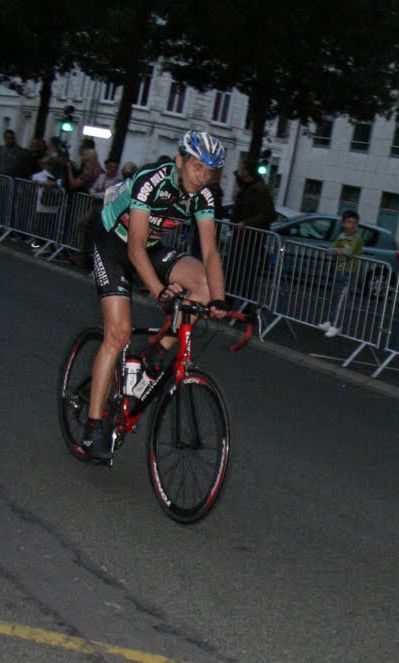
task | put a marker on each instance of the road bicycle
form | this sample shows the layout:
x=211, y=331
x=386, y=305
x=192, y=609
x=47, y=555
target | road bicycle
x=188, y=441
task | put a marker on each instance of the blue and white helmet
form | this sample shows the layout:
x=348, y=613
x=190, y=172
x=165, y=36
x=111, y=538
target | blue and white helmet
x=203, y=146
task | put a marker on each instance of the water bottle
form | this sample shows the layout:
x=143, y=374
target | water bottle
x=132, y=373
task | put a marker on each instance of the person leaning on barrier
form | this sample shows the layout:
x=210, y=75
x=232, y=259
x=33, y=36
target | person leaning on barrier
x=347, y=245
x=254, y=208
x=253, y=205
x=80, y=180
x=46, y=201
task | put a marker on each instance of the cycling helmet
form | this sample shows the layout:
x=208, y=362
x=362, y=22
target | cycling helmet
x=203, y=146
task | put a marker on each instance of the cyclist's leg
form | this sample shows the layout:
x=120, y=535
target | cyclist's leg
x=112, y=276
x=116, y=311
x=190, y=274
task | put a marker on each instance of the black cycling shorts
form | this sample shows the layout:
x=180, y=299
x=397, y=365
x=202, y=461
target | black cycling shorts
x=113, y=271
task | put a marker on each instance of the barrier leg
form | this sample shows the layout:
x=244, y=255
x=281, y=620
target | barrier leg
x=274, y=323
x=240, y=310
x=384, y=364
x=354, y=354
x=5, y=234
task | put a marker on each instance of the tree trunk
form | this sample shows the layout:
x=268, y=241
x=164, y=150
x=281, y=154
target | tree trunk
x=45, y=96
x=259, y=114
x=121, y=124
x=122, y=119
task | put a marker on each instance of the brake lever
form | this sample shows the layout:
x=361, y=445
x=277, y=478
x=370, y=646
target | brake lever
x=260, y=320
x=176, y=311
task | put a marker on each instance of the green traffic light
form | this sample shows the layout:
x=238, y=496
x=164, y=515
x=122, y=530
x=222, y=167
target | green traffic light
x=262, y=170
x=67, y=126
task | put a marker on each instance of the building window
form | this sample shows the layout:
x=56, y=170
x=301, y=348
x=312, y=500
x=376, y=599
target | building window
x=177, y=96
x=350, y=196
x=108, y=91
x=143, y=90
x=361, y=137
x=389, y=211
x=322, y=134
x=282, y=127
x=221, y=107
x=66, y=81
x=311, y=195
x=395, y=143
x=81, y=86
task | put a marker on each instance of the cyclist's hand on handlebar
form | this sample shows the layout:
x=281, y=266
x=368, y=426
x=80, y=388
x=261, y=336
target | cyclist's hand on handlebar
x=167, y=293
x=218, y=308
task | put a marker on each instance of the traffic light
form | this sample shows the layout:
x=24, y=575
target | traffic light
x=67, y=124
x=263, y=163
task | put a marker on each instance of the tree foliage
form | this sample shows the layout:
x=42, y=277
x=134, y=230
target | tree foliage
x=39, y=40
x=292, y=58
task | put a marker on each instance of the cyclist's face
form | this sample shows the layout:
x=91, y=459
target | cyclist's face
x=193, y=174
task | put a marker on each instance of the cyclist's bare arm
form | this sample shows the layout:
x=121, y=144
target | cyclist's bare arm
x=212, y=262
x=138, y=256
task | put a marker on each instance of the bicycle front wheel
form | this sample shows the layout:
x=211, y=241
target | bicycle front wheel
x=188, y=447
x=74, y=391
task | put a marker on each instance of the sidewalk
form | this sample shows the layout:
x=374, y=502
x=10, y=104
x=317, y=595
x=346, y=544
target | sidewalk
x=298, y=343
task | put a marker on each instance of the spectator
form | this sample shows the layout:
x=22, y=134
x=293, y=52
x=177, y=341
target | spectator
x=105, y=180
x=253, y=205
x=253, y=208
x=57, y=165
x=86, y=143
x=128, y=169
x=29, y=160
x=11, y=155
x=348, y=244
x=47, y=202
x=81, y=180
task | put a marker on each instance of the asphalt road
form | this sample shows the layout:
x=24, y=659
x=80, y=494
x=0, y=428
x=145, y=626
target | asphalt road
x=298, y=563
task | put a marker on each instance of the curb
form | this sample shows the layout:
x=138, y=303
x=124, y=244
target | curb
x=345, y=375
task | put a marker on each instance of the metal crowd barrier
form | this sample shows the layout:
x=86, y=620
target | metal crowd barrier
x=6, y=198
x=36, y=213
x=294, y=281
x=76, y=208
x=391, y=345
x=179, y=238
x=308, y=278
x=250, y=263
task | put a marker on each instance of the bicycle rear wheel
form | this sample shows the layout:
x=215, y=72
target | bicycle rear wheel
x=188, y=447
x=74, y=392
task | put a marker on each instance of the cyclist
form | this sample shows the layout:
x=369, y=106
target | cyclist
x=154, y=201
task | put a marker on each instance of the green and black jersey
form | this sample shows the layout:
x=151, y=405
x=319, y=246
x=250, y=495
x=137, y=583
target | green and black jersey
x=155, y=190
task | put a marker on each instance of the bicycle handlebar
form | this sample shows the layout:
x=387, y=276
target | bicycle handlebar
x=180, y=303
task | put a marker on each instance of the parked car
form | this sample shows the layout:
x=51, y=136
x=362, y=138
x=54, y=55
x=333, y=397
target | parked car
x=323, y=229
x=282, y=213
x=285, y=213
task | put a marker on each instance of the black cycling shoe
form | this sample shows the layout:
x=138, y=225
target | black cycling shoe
x=96, y=442
x=152, y=360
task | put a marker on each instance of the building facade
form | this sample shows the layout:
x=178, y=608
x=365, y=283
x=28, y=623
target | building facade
x=330, y=167
x=162, y=112
x=340, y=165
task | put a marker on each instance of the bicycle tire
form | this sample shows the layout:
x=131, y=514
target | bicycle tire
x=74, y=392
x=187, y=468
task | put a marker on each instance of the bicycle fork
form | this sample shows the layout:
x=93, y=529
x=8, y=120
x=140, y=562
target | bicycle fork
x=183, y=361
